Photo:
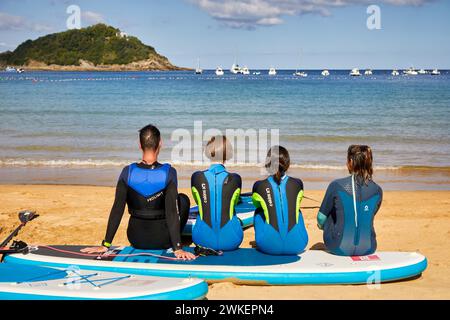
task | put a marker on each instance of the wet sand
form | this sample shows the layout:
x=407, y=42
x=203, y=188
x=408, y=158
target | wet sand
x=407, y=221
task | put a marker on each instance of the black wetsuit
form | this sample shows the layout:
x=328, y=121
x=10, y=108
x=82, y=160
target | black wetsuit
x=158, y=212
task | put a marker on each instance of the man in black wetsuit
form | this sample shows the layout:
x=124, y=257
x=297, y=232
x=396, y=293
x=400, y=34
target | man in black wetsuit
x=158, y=212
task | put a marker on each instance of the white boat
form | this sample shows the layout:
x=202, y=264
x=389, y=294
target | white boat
x=422, y=71
x=235, y=69
x=272, y=72
x=395, y=73
x=435, y=72
x=20, y=70
x=256, y=73
x=300, y=74
x=410, y=72
x=10, y=69
x=198, y=70
x=219, y=71
x=245, y=71
x=368, y=72
x=355, y=72
x=325, y=73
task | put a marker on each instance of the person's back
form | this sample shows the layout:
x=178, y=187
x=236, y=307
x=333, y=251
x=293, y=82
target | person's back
x=216, y=193
x=279, y=225
x=349, y=207
x=149, y=189
x=150, y=192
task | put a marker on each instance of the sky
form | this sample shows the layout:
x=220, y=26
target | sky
x=286, y=34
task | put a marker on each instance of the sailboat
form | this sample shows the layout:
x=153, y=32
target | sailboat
x=422, y=71
x=435, y=72
x=355, y=72
x=300, y=73
x=198, y=70
x=219, y=71
x=410, y=72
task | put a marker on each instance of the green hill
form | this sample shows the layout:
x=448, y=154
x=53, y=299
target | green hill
x=97, y=46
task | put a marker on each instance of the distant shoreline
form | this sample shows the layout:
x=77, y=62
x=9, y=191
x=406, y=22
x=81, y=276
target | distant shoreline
x=97, y=69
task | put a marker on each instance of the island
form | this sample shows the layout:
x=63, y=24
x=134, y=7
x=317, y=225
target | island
x=96, y=48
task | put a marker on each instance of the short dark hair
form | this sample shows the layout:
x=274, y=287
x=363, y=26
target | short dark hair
x=149, y=137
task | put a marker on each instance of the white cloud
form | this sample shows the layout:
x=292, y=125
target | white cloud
x=252, y=13
x=18, y=23
x=90, y=17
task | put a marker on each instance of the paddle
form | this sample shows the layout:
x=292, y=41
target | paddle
x=24, y=217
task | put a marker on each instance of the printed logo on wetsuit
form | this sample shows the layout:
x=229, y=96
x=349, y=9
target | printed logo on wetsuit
x=204, y=196
x=269, y=197
x=366, y=208
x=156, y=196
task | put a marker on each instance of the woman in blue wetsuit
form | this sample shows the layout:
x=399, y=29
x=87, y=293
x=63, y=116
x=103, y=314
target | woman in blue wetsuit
x=216, y=193
x=279, y=226
x=349, y=207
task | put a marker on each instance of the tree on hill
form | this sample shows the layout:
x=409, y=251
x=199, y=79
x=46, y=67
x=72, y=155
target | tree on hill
x=99, y=44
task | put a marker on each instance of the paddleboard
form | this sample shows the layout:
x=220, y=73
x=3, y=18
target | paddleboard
x=246, y=265
x=24, y=282
x=244, y=210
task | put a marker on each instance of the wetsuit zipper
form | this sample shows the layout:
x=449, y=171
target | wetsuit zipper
x=356, y=236
x=215, y=202
x=281, y=202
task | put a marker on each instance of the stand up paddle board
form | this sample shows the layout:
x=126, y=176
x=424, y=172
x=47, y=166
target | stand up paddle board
x=245, y=211
x=245, y=265
x=23, y=282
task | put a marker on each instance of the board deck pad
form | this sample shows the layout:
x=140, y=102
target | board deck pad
x=245, y=265
x=244, y=211
x=43, y=283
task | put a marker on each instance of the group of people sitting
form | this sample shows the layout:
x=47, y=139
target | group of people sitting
x=159, y=213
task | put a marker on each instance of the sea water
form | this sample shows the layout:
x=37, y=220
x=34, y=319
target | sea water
x=90, y=120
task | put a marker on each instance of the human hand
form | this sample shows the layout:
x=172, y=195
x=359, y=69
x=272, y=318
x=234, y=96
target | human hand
x=184, y=255
x=92, y=250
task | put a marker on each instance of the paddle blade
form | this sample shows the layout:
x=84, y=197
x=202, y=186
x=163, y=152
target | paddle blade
x=27, y=215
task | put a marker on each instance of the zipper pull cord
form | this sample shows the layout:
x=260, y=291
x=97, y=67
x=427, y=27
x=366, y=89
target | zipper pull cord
x=354, y=200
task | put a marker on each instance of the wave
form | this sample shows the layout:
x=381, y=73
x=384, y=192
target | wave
x=180, y=164
x=61, y=163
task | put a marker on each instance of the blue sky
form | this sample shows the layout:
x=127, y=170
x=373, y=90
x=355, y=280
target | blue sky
x=261, y=33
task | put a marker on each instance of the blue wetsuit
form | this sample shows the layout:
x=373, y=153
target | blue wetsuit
x=279, y=226
x=346, y=216
x=216, y=193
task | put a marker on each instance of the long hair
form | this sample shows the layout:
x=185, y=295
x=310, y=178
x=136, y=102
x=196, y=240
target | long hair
x=277, y=162
x=360, y=159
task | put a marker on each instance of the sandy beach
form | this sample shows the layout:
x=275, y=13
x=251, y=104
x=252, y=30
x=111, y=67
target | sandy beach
x=408, y=221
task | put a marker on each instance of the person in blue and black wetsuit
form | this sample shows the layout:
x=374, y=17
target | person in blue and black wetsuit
x=349, y=207
x=279, y=226
x=149, y=188
x=216, y=193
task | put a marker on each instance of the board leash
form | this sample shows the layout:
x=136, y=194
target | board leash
x=114, y=255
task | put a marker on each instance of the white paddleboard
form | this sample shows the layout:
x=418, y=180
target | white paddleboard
x=241, y=266
x=37, y=283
